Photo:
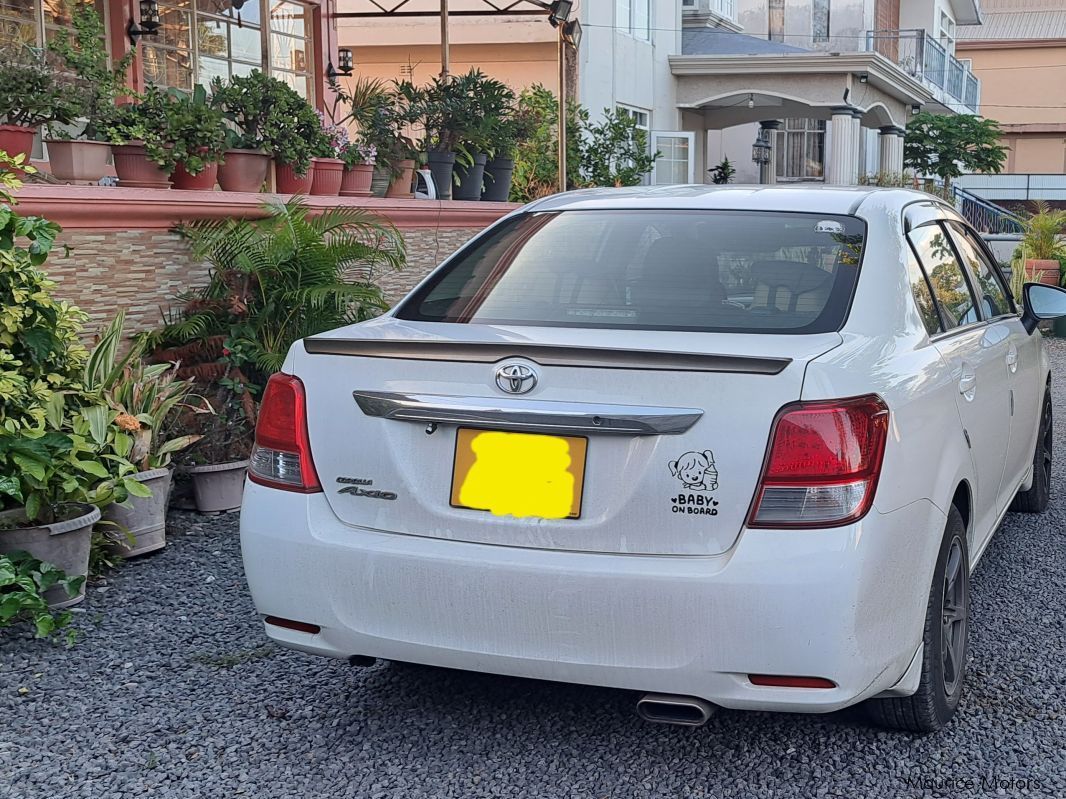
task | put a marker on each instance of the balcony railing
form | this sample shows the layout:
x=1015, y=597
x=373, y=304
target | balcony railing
x=923, y=57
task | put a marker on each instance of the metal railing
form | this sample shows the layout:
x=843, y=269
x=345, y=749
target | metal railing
x=985, y=216
x=923, y=57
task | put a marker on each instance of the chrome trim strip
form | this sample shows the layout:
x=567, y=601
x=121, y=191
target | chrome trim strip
x=535, y=415
x=548, y=355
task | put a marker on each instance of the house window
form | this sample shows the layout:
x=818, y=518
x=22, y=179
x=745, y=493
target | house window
x=777, y=20
x=291, y=57
x=725, y=8
x=820, y=20
x=203, y=39
x=801, y=149
x=947, y=32
x=676, y=161
x=639, y=116
x=634, y=17
x=34, y=23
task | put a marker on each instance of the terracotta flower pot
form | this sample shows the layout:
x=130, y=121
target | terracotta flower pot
x=287, y=181
x=78, y=160
x=144, y=518
x=135, y=170
x=204, y=181
x=1042, y=271
x=402, y=185
x=243, y=170
x=328, y=174
x=218, y=487
x=357, y=180
x=17, y=140
x=64, y=544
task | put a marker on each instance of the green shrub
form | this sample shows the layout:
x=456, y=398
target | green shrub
x=23, y=581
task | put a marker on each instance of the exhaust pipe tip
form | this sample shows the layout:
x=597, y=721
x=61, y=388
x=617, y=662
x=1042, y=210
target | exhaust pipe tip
x=362, y=661
x=686, y=711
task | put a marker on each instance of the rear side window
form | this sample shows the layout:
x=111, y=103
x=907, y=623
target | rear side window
x=923, y=297
x=653, y=270
x=990, y=290
x=949, y=283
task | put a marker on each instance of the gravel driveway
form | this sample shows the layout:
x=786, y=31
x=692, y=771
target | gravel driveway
x=174, y=691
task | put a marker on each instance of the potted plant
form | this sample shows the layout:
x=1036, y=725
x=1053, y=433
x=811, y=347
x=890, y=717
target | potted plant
x=448, y=109
x=328, y=166
x=141, y=141
x=140, y=401
x=1041, y=246
x=514, y=127
x=359, y=159
x=82, y=155
x=198, y=139
x=31, y=95
x=494, y=102
x=219, y=462
x=247, y=102
x=292, y=134
x=50, y=470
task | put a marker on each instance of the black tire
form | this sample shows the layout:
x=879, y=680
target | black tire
x=945, y=642
x=1036, y=499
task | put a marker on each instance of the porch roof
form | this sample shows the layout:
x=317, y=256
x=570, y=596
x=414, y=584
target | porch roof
x=715, y=41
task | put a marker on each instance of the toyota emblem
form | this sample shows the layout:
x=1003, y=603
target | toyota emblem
x=516, y=378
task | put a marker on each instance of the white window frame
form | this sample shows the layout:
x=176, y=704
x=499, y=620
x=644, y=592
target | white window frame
x=653, y=137
x=626, y=18
x=635, y=113
x=784, y=132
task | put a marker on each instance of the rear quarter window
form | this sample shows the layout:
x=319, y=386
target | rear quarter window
x=759, y=272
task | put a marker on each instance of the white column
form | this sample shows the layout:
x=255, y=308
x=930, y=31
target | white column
x=769, y=173
x=843, y=165
x=854, y=167
x=891, y=140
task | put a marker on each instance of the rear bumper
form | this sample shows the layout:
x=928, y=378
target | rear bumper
x=846, y=604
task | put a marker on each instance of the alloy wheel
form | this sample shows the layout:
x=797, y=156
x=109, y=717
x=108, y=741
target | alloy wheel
x=953, y=636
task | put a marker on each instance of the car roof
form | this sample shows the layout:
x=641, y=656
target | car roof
x=800, y=198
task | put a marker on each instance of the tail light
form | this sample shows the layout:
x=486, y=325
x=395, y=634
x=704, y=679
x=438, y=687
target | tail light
x=823, y=464
x=281, y=457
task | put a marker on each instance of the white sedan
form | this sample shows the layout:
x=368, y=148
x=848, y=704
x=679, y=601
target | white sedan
x=728, y=447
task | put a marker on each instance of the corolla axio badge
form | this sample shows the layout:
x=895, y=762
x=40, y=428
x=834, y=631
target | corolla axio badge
x=516, y=378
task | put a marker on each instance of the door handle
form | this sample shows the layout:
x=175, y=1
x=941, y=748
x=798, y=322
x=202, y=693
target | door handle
x=968, y=382
x=1012, y=358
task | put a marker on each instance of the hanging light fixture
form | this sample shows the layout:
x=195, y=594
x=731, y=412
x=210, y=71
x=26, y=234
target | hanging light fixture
x=237, y=5
x=751, y=101
x=149, y=17
x=760, y=149
x=347, y=61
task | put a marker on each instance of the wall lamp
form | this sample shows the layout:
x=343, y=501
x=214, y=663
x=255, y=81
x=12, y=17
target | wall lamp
x=558, y=10
x=149, y=25
x=916, y=109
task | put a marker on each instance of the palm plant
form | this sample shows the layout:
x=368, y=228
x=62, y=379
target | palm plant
x=279, y=279
x=1041, y=241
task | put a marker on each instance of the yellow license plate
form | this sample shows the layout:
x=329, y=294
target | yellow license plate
x=519, y=474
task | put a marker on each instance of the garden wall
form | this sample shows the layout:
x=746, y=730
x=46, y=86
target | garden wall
x=123, y=252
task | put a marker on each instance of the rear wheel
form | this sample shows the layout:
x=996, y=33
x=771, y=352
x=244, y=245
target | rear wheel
x=1035, y=500
x=945, y=641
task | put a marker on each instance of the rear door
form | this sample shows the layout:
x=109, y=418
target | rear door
x=976, y=352
x=654, y=348
x=1021, y=360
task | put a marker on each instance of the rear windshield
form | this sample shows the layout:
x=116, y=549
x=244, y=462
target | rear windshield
x=653, y=270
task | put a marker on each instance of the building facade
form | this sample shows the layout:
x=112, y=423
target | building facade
x=293, y=40
x=1020, y=56
x=828, y=84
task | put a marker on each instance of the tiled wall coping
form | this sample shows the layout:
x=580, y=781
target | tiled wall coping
x=114, y=208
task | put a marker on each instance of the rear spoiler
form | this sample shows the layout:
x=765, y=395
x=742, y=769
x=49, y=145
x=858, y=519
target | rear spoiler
x=547, y=355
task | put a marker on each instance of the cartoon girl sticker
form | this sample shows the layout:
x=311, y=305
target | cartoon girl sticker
x=696, y=471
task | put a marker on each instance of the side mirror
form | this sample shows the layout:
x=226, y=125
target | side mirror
x=1041, y=301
